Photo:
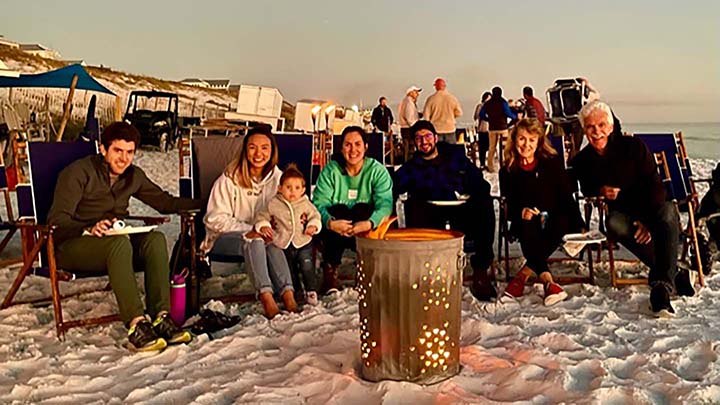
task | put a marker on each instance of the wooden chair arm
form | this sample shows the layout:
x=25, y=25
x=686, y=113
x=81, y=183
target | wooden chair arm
x=189, y=213
x=150, y=220
x=31, y=225
x=707, y=180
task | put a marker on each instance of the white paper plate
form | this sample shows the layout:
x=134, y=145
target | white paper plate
x=590, y=237
x=447, y=203
x=131, y=229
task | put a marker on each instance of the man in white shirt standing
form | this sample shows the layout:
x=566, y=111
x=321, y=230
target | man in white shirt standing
x=408, y=113
x=441, y=109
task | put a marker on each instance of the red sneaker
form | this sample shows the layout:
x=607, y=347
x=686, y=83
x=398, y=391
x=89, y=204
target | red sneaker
x=516, y=287
x=554, y=294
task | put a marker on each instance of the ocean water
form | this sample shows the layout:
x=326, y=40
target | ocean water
x=702, y=140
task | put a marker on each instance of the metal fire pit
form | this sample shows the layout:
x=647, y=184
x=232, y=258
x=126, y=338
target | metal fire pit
x=409, y=286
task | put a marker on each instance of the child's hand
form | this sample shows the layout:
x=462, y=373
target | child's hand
x=252, y=235
x=311, y=230
x=266, y=232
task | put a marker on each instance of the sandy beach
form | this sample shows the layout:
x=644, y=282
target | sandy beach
x=599, y=346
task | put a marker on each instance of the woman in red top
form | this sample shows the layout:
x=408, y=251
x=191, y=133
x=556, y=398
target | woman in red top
x=541, y=207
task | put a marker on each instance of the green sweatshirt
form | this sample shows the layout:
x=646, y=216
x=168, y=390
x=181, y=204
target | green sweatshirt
x=372, y=185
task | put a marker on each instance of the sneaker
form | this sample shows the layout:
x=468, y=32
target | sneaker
x=482, y=288
x=311, y=298
x=165, y=327
x=142, y=337
x=516, y=287
x=554, y=294
x=660, y=301
x=683, y=284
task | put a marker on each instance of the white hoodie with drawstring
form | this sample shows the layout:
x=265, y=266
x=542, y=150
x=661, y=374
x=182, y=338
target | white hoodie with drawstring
x=232, y=208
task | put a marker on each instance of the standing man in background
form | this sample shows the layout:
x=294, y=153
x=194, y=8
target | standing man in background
x=496, y=111
x=408, y=115
x=482, y=131
x=533, y=107
x=382, y=117
x=441, y=109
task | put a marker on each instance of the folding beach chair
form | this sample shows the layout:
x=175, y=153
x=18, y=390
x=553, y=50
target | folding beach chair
x=681, y=189
x=297, y=148
x=8, y=223
x=45, y=162
x=505, y=238
x=202, y=161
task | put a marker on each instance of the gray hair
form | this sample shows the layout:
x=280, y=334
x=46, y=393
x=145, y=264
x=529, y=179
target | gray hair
x=593, y=106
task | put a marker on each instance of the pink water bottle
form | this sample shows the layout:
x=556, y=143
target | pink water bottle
x=177, y=297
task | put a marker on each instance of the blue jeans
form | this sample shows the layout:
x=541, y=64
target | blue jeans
x=266, y=266
x=660, y=255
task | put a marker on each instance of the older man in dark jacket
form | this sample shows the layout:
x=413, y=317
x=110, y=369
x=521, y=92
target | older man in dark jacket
x=91, y=194
x=445, y=190
x=623, y=171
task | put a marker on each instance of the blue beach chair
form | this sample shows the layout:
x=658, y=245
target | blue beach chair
x=202, y=161
x=45, y=162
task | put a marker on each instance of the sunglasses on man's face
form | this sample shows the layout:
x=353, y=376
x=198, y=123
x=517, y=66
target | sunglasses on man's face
x=428, y=137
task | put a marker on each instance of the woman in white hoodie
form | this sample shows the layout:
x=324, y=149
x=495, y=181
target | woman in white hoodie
x=245, y=188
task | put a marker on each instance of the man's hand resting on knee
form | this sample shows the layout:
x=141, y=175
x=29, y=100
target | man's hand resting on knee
x=642, y=235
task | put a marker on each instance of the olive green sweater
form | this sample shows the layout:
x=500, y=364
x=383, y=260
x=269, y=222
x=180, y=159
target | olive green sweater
x=83, y=196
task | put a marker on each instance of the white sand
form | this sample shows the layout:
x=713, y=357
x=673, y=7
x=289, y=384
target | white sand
x=599, y=346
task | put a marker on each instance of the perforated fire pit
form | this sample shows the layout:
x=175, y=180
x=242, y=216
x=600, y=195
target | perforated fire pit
x=409, y=287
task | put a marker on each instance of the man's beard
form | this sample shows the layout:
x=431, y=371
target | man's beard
x=430, y=152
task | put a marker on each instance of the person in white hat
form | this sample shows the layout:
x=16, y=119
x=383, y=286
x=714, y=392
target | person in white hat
x=408, y=113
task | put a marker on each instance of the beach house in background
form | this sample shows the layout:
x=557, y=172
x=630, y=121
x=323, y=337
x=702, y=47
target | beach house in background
x=9, y=43
x=41, y=51
x=218, y=84
x=258, y=104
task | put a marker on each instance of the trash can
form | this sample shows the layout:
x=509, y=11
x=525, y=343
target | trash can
x=409, y=286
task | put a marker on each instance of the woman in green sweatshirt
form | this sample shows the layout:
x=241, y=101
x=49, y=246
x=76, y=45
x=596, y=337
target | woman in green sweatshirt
x=353, y=195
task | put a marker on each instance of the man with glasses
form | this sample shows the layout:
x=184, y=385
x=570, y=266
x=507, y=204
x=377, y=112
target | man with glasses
x=446, y=191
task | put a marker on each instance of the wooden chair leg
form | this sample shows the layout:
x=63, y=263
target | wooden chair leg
x=54, y=284
x=695, y=244
x=591, y=270
x=611, y=263
x=24, y=271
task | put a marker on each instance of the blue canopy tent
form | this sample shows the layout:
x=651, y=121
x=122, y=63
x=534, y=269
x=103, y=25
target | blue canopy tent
x=69, y=77
x=60, y=78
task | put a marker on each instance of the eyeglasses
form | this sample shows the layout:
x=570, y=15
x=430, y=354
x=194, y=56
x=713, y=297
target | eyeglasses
x=428, y=137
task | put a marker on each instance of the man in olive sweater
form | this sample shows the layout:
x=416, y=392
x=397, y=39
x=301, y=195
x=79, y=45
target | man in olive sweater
x=91, y=194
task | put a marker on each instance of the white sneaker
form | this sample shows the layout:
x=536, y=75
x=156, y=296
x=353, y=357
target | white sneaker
x=311, y=298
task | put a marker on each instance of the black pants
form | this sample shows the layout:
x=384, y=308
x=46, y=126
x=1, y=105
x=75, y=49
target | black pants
x=302, y=268
x=537, y=242
x=475, y=218
x=660, y=255
x=483, y=146
x=335, y=244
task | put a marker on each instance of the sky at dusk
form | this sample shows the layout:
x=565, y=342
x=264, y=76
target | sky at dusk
x=653, y=61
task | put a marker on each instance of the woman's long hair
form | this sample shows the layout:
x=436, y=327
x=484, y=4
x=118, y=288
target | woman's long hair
x=239, y=169
x=533, y=126
x=338, y=155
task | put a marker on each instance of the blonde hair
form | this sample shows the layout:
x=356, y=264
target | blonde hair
x=239, y=169
x=532, y=126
